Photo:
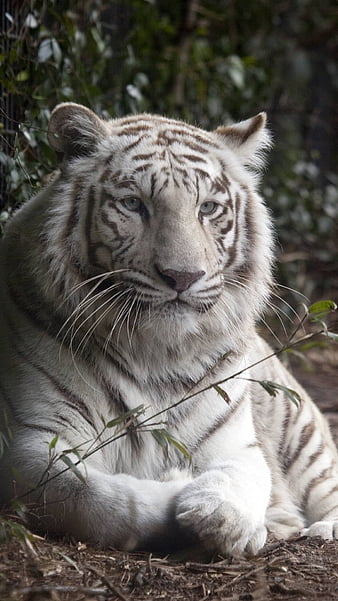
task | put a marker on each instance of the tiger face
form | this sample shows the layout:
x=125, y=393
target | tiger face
x=182, y=220
x=167, y=211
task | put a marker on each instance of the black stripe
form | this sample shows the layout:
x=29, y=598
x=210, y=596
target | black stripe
x=143, y=167
x=194, y=158
x=143, y=157
x=73, y=217
x=121, y=407
x=152, y=185
x=134, y=130
x=90, y=206
x=133, y=144
x=69, y=398
x=218, y=423
x=232, y=250
x=284, y=431
x=324, y=475
x=19, y=421
x=313, y=458
x=304, y=438
x=112, y=355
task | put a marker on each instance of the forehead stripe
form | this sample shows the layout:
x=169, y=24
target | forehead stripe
x=141, y=157
x=134, y=130
x=194, y=158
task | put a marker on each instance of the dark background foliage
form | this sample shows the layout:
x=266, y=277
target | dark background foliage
x=209, y=62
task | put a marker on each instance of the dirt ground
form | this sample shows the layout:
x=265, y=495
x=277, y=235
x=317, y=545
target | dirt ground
x=298, y=569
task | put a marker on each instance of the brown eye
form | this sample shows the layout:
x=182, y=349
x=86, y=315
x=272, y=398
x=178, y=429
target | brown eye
x=208, y=208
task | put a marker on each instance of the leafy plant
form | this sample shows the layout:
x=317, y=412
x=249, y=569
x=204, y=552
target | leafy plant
x=208, y=63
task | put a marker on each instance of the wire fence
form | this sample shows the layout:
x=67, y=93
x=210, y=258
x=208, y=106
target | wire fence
x=10, y=30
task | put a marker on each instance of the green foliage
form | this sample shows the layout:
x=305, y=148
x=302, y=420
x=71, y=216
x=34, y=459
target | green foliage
x=320, y=310
x=209, y=64
x=124, y=418
x=222, y=393
x=273, y=388
x=11, y=529
x=164, y=439
x=73, y=466
x=12, y=526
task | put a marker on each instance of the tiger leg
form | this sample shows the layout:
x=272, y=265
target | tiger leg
x=283, y=517
x=85, y=500
x=313, y=472
x=321, y=501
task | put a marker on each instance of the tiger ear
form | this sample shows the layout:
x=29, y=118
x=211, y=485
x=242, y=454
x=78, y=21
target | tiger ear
x=248, y=139
x=74, y=130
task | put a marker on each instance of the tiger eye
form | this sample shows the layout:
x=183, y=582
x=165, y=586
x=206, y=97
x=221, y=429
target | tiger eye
x=208, y=207
x=131, y=204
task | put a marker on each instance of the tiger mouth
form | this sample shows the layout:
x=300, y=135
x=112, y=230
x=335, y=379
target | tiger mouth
x=176, y=305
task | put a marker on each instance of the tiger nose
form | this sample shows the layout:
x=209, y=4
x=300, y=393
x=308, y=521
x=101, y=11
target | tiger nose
x=179, y=280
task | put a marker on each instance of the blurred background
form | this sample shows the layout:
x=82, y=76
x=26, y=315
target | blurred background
x=209, y=62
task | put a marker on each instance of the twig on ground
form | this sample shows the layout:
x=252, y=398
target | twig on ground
x=49, y=588
x=114, y=589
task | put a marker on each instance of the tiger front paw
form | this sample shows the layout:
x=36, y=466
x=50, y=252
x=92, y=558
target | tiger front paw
x=326, y=529
x=222, y=522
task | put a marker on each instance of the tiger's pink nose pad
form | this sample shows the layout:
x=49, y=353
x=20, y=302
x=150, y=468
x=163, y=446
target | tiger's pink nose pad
x=179, y=280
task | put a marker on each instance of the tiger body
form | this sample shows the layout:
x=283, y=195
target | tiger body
x=136, y=278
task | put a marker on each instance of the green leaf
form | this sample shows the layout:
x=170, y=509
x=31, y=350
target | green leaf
x=160, y=438
x=19, y=508
x=320, y=306
x=180, y=446
x=22, y=76
x=67, y=460
x=53, y=442
x=222, y=393
x=321, y=309
x=268, y=386
x=273, y=388
x=313, y=344
x=77, y=454
x=163, y=438
x=125, y=416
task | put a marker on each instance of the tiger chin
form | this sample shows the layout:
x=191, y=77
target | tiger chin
x=129, y=286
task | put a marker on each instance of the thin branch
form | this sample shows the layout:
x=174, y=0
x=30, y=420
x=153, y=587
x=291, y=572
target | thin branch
x=129, y=424
x=46, y=588
x=114, y=589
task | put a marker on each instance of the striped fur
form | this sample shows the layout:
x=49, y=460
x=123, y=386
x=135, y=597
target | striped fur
x=136, y=278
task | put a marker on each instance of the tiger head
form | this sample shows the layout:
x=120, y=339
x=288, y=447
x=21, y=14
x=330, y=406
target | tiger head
x=163, y=217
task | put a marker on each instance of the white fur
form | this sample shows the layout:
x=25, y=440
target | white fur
x=63, y=336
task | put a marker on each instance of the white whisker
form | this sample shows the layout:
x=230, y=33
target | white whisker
x=101, y=277
x=111, y=302
x=83, y=307
x=117, y=318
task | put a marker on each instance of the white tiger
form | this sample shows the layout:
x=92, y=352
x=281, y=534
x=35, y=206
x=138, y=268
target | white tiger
x=135, y=278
